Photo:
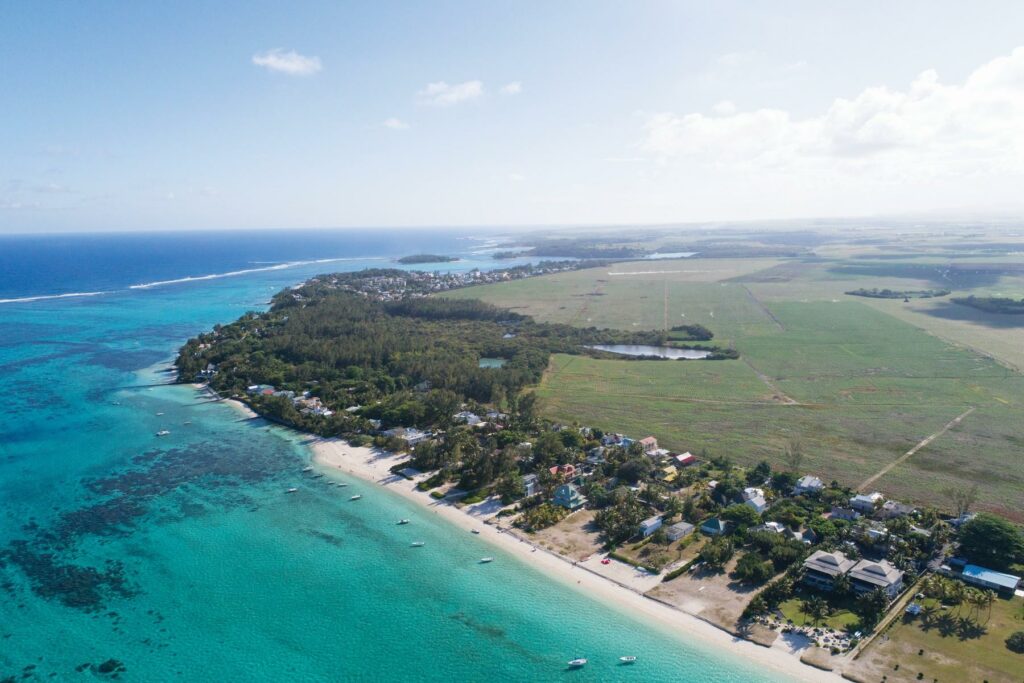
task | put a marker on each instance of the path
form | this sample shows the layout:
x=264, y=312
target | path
x=903, y=458
x=770, y=383
x=764, y=309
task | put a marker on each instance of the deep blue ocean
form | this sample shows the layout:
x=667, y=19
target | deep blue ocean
x=180, y=558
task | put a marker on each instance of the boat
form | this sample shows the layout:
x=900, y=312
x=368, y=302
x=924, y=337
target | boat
x=187, y=422
x=163, y=432
x=485, y=560
x=159, y=414
x=291, y=490
x=403, y=521
x=355, y=497
x=628, y=659
x=475, y=531
x=342, y=484
x=307, y=469
x=417, y=544
x=577, y=663
x=318, y=475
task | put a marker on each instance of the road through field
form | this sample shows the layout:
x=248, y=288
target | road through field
x=903, y=458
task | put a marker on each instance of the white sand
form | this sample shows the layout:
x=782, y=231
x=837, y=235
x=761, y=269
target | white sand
x=374, y=465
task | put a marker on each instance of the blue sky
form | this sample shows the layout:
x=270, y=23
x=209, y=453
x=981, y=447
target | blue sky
x=319, y=114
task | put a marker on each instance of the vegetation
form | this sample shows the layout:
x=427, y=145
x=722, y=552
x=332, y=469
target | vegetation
x=991, y=541
x=992, y=304
x=427, y=258
x=885, y=293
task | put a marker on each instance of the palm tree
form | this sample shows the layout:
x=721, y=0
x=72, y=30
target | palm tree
x=841, y=586
x=987, y=598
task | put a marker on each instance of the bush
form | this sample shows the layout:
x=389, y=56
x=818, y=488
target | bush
x=1016, y=642
x=752, y=568
x=437, y=494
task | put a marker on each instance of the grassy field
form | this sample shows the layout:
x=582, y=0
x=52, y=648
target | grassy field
x=949, y=652
x=856, y=385
x=841, y=619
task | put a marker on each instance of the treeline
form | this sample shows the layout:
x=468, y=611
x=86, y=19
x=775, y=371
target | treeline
x=692, y=332
x=992, y=304
x=875, y=293
x=347, y=349
x=427, y=258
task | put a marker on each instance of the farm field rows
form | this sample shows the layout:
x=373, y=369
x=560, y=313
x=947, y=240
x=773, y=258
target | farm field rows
x=855, y=386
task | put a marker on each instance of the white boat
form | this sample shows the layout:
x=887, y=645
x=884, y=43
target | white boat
x=475, y=531
x=342, y=484
x=291, y=490
x=628, y=659
x=158, y=414
x=417, y=544
x=485, y=560
x=403, y=521
x=355, y=497
x=163, y=432
x=577, y=663
x=307, y=469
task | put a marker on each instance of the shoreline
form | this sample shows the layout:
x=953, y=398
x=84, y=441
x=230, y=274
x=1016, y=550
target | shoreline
x=373, y=465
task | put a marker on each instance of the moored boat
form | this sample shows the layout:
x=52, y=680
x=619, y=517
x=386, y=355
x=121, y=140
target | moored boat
x=628, y=659
x=485, y=560
x=163, y=432
x=403, y=521
x=355, y=497
x=293, y=490
x=577, y=663
x=417, y=544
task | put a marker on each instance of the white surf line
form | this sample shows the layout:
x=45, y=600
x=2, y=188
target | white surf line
x=45, y=297
x=233, y=273
x=927, y=440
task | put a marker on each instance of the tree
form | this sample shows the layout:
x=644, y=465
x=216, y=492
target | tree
x=742, y=515
x=716, y=553
x=1016, y=642
x=752, y=568
x=871, y=606
x=621, y=520
x=816, y=608
x=842, y=586
x=760, y=473
x=991, y=541
x=962, y=498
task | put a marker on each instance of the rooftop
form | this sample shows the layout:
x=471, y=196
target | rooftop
x=1008, y=581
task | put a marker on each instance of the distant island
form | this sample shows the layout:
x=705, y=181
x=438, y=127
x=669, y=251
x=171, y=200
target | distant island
x=992, y=304
x=427, y=258
x=876, y=293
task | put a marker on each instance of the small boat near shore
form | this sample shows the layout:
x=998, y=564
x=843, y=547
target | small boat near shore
x=355, y=497
x=577, y=663
x=307, y=469
x=417, y=544
x=628, y=659
x=163, y=432
x=403, y=521
x=292, y=490
x=474, y=531
x=485, y=560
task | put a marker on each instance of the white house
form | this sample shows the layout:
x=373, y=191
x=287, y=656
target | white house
x=808, y=484
x=649, y=526
x=865, y=503
x=466, y=417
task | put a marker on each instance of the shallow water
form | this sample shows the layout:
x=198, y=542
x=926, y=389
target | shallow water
x=182, y=557
x=659, y=351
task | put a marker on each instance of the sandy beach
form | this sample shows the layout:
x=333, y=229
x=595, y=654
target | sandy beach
x=621, y=589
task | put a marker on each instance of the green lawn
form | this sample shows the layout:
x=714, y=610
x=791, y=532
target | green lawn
x=841, y=619
x=953, y=650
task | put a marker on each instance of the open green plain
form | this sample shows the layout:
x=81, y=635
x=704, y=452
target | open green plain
x=855, y=384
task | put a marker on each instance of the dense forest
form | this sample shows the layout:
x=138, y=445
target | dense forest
x=875, y=293
x=427, y=258
x=993, y=304
x=406, y=362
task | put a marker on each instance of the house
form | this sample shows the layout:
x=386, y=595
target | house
x=962, y=519
x=868, y=575
x=669, y=474
x=865, y=503
x=891, y=509
x=595, y=456
x=685, y=459
x=822, y=569
x=569, y=497
x=1004, y=584
x=650, y=525
x=808, y=484
x=872, y=533
x=849, y=514
x=467, y=417
x=649, y=444
x=715, y=527
x=531, y=485
x=754, y=497
x=563, y=472
x=770, y=527
x=496, y=416
x=410, y=435
x=679, y=530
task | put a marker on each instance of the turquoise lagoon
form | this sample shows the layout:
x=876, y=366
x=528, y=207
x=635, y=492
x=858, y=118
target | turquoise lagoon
x=182, y=557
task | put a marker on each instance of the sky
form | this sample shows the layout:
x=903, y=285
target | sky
x=197, y=115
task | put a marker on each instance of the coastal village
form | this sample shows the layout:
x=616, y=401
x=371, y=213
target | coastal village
x=848, y=581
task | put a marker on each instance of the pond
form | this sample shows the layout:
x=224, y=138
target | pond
x=491, y=362
x=659, y=351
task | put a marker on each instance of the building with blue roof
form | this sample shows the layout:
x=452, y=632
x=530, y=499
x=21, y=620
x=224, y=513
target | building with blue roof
x=1004, y=584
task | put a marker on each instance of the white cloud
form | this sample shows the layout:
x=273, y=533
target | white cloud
x=395, y=124
x=516, y=177
x=291, y=62
x=441, y=94
x=513, y=88
x=928, y=130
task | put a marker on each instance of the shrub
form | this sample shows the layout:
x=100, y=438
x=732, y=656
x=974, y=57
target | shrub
x=437, y=494
x=1016, y=642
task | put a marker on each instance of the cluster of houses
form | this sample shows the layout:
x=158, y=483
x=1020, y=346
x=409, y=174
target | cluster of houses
x=305, y=403
x=414, y=283
x=822, y=570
